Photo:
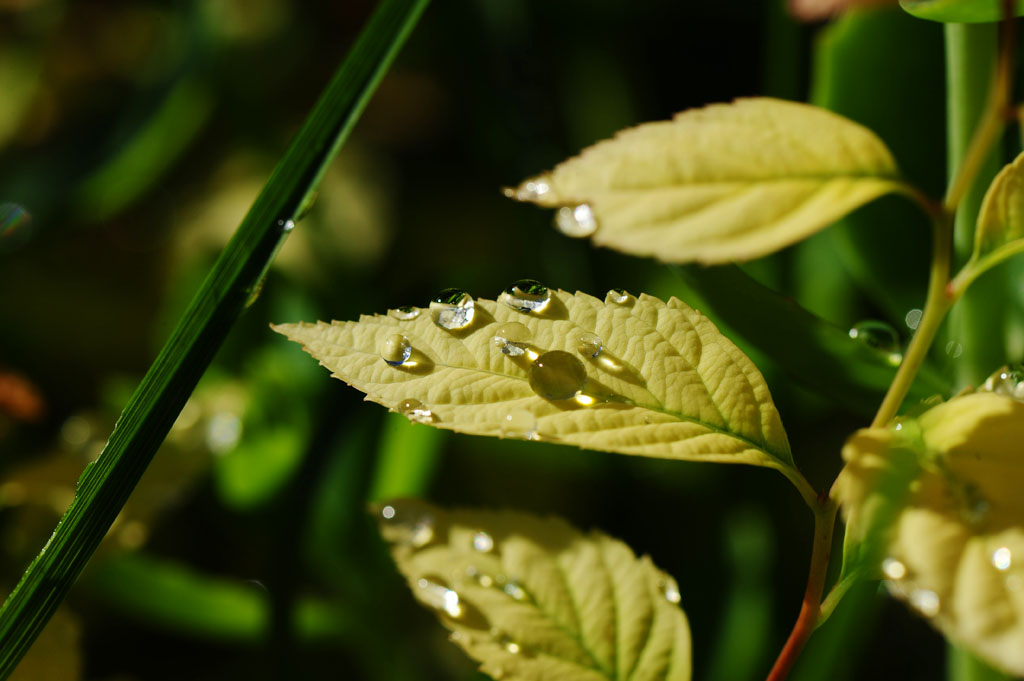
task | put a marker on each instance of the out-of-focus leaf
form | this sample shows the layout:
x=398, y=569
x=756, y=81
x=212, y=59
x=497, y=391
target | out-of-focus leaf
x=954, y=549
x=958, y=11
x=406, y=459
x=57, y=653
x=634, y=377
x=723, y=183
x=816, y=10
x=532, y=598
x=1000, y=229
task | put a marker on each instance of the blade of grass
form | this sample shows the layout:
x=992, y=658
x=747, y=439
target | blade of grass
x=106, y=483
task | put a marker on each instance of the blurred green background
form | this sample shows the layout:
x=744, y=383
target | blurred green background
x=133, y=137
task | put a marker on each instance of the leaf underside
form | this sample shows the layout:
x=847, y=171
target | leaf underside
x=665, y=384
x=728, y=182
x=1001, y=218
x=532, y=598
x=955, y=552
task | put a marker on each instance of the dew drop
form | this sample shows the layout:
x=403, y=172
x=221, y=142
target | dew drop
x=619, y=296
x=531, y=190
x=407, y=523
x=438, y=596
x=15, y=227
x=1002, y=558
x=286, y=225
x=481, y=578
x=913, y=318
x=453, y=309
x=526, y=295
x=505, y=641
x=589, y=344
x=576, y=221
x=894, y=569
x=926, y=601
x=1006, y=381
x=519, y=423
x=482, y=542
x=876, y=335
x=511, y=338
x=669, y=589
x=557, y=375
x=414, y=410
x=515, y=590
x=405, y=313
x=395, y=349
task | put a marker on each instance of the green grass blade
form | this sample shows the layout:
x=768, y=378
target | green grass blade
x=819, y=355
x=106, y=483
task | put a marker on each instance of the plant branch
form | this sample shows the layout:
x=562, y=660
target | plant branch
x=810, y=610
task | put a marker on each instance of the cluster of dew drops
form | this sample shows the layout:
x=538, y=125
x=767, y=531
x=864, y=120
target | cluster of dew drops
x=553, y=375
x=411, y=525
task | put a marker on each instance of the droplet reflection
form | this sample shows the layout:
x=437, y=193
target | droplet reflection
x=1002, y=558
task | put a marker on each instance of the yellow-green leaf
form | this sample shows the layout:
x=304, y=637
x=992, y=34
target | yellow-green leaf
x=1001, y=219
x=955, y=551
x=724, y=183
x=959, y=11
x=634, y=377
x=532, y=598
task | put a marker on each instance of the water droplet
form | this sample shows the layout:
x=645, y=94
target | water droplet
x=407, y=523
x=877, y=335
x=669, y=589
x=286, y=225
x=453, y=309
x=515, y=590
x=15, y=227
x=511, y=338
x=926, y=601
x=481, y=578
x=589, y=344
x=405, y=313
x=557, y=375
x=913, y=318
x=395, y=349
x=526, y=295
x=519, y=423
x=894, y=569
x=954, y=349
x=576, y=221
x=619, y=296
x=414, y=410
x=1006, y=381
x=1002, y=558
x=531, y=190
x=506, y=641
x=482, y=542
x=438, y=596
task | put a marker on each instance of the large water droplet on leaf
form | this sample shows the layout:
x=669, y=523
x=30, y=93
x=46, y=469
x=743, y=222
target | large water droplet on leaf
x=576, y=221
x=557, y=375
x=453, y=309
x=395, y=349
x=619, y=296
x=511, y=338
x=437, y=595
x=589, y=344
x=405, y=313
x=878, y=336
x=414, y=410
x=526, y=295
x=1006, y=381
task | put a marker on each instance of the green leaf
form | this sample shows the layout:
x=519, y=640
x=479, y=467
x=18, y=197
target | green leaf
x=958, y=11
x=234, y=280
x=1000, y=230
x=724, y=183
x=532, y=598
x=634, y=377
x=954, y=548
x=819, y=355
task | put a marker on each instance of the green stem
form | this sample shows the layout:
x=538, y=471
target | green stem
x=836, y=594
x=937, y=304
x=810, y=610
x=106, y=483
x=978, y=79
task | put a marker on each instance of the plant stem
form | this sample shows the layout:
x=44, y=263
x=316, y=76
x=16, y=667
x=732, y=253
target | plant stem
x=937, y=304
x=810, y=610
x=105, y=485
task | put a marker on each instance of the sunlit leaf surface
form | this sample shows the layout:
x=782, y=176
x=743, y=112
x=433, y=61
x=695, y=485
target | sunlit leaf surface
x=723, y=183
x=532, y=598
x=627, y=375
x=955, y=551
